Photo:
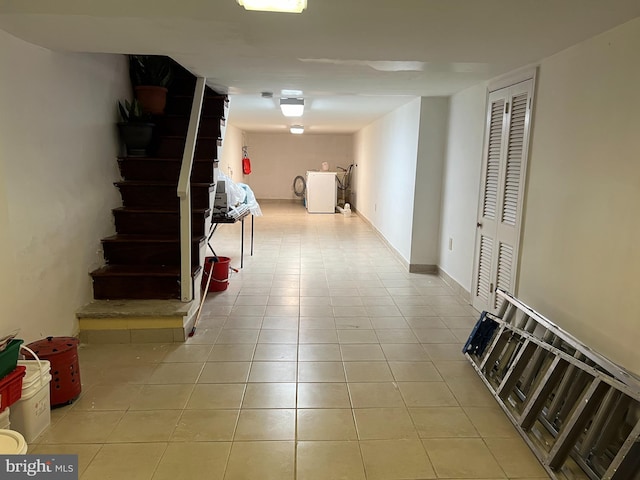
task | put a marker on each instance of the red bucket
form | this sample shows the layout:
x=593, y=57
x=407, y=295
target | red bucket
x=220, y=277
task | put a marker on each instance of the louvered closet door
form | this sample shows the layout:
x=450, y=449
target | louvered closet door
x=500, y=207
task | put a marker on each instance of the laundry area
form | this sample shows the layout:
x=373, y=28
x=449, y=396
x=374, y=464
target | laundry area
x=321, y=193
x=327, y=192
x=318, y=171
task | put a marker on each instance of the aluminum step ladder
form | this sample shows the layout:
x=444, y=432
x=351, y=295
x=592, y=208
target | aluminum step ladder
x=578, y=411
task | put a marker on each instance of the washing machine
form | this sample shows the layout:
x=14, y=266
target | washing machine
x=322, y=192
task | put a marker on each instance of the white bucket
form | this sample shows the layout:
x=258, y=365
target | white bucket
x=31, y=415
x=5, y=423
x=12, y=443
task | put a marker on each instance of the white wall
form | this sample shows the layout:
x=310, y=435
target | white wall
x=58, y=148
x=461, y=183
x=277, y=158
x=434, y=115
x=231, y=157
x=386, y=155
x=580, y=259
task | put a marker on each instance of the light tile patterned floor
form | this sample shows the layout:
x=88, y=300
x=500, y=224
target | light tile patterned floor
x=324, y=359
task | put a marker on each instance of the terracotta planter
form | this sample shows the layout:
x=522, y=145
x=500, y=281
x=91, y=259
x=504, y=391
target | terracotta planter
x=152, y=99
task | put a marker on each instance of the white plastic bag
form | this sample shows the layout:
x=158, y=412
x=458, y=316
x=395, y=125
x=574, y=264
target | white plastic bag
x=251, y=201
x=235, y=194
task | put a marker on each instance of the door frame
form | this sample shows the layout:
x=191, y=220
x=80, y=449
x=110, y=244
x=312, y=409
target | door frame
x=521, y=75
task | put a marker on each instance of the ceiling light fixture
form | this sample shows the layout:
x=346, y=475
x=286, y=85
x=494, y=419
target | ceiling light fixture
x=292, y=107
x=297, y=129
x=287, y=6
x=291, y=93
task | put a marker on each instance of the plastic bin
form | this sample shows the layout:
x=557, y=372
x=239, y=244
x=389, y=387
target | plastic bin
x=11, y=387
x=9, y=357
x=220, y=268
x=31, y=415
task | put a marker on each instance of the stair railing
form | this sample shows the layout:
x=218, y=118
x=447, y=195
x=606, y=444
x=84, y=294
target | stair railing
x=184, y=193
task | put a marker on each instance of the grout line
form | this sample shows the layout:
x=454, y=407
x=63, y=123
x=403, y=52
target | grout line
x=295, y=431
x=164, y=452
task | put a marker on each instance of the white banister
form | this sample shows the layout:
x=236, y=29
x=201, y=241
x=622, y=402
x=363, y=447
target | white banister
x=184, y=193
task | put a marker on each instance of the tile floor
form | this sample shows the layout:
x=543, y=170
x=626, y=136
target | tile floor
x=324, y=359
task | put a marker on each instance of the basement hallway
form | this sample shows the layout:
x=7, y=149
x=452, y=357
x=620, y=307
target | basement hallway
x=324, y=359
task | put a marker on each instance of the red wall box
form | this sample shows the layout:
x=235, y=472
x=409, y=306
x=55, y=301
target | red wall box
x=62, y=353
x=11, y=387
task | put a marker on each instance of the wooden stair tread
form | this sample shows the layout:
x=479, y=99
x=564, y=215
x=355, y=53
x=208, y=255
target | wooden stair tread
x=140, y=238
x=200, y=137
x=141, y=270
x=187, y=116
x=207, y=94
x=168, y=159
x=160, y=211
x=153, y=183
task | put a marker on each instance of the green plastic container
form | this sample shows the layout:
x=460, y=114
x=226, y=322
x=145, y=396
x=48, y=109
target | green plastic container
x=9, y=357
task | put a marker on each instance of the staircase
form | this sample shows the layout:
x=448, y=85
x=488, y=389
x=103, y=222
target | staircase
x=143, y=257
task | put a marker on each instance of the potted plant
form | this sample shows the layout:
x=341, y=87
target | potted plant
x=150, y=77
x=135, y=129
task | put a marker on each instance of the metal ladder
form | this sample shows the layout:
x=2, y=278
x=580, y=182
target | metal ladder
x=577, y=411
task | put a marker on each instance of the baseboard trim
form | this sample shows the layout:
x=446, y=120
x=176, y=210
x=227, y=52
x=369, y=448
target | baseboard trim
x=454, y=285
x=420, y=268
x=393, y=250
x=189, y=322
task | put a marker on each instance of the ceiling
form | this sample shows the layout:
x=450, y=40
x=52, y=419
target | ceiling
x=353, y=60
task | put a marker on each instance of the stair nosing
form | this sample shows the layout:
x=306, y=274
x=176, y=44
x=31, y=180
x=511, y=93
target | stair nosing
x=180, y=95
x=159, y=211
x=144, y=238
x=140, y=271
x=185, y=136
x=166, y=159
x=188, y=115
x=160, y=184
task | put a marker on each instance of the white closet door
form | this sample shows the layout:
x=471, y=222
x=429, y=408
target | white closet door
x=488, y=210
x=500, y=207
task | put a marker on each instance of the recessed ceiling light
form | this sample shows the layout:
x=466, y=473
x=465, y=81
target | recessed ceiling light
x=291, y=93
x=292, y=107
x=287, y=6
x=297, y=129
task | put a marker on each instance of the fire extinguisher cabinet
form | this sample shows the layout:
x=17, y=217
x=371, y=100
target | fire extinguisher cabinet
x=62, y=353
